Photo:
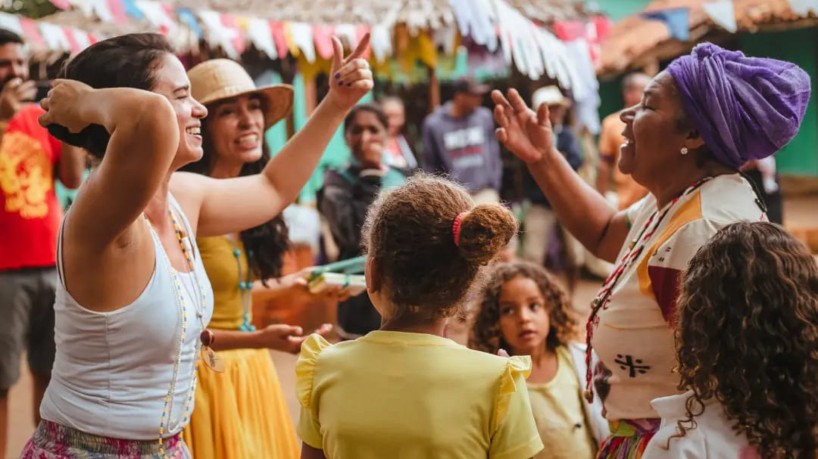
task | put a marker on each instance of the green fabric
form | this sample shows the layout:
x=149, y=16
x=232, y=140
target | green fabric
x=619, y=9
x=800, y=157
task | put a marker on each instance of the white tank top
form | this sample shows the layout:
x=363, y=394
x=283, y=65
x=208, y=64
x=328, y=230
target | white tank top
x=114, y=370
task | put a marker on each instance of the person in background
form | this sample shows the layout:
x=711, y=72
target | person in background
x=763, y=175
x=31, y=162
x=540, y=221
x=628, y=190
x=523, y=311
x=405, y=390
x=746, y=340
x=459, y=142
x=345, y=198
x=398, y=153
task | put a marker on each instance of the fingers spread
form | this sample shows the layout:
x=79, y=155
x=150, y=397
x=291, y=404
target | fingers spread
x=501, y=134
x=517, y=102
x=500, y=116
x=542, y=115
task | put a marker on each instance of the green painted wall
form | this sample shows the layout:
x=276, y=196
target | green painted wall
x=800, y=157
x=618, y=9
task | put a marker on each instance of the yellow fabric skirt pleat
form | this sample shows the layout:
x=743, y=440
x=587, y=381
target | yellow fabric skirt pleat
x=241, y=413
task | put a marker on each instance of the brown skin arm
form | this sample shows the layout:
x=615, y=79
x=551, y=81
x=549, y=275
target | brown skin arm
x=71, y=166
x=308, y=452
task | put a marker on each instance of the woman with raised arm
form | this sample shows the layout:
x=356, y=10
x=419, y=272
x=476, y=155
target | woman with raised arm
x=698, y=123
x=134, y=300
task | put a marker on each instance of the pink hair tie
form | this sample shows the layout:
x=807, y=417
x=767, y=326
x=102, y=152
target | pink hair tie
x=456, y=227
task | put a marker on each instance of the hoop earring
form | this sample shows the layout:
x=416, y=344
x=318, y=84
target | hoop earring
x=684, y=151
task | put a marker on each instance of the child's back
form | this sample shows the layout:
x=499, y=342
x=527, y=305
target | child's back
x=413, y=395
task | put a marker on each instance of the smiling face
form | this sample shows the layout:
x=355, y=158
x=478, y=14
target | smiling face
x=170, y=80
x=13, y=63
x=653, y=136
x=366, y=138
x=235, y=129
x=524, y=321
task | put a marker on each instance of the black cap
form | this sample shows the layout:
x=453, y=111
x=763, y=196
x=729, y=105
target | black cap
x=469, y=86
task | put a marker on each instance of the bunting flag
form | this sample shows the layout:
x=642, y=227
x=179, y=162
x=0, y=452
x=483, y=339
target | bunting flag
x=117, y=9
x=322, y=36
x=677, y=21
x=32, y=33
x=61, y=4
x=279, y=38
x=217, y=34
x=11, y=22
x=722, y=13
x=54, y=37
x=73, y=44
x=231, y=24
x=299, y=36
x=187, y=18
x=131, y=9
x=259, y=33
x=804, y=7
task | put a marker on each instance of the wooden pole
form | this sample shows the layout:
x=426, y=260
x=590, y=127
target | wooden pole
x=434, y=90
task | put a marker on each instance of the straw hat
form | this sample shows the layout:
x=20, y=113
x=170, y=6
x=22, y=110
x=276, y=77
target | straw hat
x=220, y=79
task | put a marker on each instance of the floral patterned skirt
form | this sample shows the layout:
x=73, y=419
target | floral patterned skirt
x=54, y=441
x=628, y=439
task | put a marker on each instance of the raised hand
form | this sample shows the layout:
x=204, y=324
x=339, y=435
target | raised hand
x=62, y=105
x=351, y=77
x=14, y=94
x=525, y=133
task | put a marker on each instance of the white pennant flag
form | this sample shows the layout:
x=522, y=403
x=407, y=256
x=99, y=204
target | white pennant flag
x=803, y=7
x=723, y=13
x=259, y=33
x=54, y=37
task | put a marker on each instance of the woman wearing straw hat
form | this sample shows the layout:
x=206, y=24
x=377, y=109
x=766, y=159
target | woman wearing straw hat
x=134, y=300
x=242, y=413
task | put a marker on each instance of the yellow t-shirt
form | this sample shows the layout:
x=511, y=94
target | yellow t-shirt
x=560, y=417
x=413, y=395
x=223, y=272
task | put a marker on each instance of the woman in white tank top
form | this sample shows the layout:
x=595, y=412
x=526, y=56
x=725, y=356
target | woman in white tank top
x=134, y=301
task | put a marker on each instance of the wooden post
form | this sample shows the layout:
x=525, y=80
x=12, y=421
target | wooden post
x=434, y=90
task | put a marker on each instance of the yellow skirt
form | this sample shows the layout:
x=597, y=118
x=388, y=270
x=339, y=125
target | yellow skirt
x=241, y=413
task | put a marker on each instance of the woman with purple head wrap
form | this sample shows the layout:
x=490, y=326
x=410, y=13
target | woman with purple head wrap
x=698, y=123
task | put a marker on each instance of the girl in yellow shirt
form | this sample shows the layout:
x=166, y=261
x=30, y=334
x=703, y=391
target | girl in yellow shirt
x=525, y=312
x=405, y=390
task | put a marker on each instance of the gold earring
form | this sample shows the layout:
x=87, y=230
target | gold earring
x=685, y=151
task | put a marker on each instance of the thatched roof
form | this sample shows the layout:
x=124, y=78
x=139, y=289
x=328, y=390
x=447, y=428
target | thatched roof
x=417, y=14
x=635, y=41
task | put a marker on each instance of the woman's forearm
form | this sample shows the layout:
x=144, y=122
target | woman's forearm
x=225, y=340
x=579, y=208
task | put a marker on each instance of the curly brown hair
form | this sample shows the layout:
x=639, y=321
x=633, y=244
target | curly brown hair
x=486, y=335
x=747, y=335
x=408, y=233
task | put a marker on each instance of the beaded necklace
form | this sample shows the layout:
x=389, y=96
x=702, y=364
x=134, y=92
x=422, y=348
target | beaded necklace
x=245, y=287
x=603, y=297
x=205, y=339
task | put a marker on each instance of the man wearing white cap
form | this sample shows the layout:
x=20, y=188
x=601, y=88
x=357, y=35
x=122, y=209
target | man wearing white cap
x=540, y=221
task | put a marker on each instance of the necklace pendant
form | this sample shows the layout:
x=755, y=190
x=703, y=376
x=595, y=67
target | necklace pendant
x=589, y=395
x=212, y=360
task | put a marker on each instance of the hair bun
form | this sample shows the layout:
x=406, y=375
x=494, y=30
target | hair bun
x=485, y=231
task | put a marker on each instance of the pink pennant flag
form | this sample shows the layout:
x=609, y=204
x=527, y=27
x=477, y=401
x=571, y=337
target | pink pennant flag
x=237, y=37
x=280, y=39
x=360, y=31
x=32, y=33
x=72, y=40
x=61, y=4
x=322, y=35
x=117, y=9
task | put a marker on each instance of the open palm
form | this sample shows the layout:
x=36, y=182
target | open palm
x=351, y=77
x=524, y=132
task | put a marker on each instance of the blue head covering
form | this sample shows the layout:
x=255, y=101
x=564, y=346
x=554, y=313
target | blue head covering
x=744, y=108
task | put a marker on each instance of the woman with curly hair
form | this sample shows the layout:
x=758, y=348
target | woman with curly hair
x=747, y=347
x=523, y=311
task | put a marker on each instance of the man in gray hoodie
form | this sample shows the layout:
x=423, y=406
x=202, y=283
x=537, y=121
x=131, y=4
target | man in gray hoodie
x=458, y=140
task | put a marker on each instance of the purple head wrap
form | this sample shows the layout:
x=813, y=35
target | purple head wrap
x=744, y=108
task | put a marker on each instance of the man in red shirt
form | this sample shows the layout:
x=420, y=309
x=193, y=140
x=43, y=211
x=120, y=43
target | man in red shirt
x=30, y=161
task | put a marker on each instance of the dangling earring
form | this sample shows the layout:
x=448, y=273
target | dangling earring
x=684, y=150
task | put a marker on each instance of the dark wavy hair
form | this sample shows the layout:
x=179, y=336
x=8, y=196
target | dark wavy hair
x=747, y=335
x=485, y=333
x=265, y=244
x=126, y=61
